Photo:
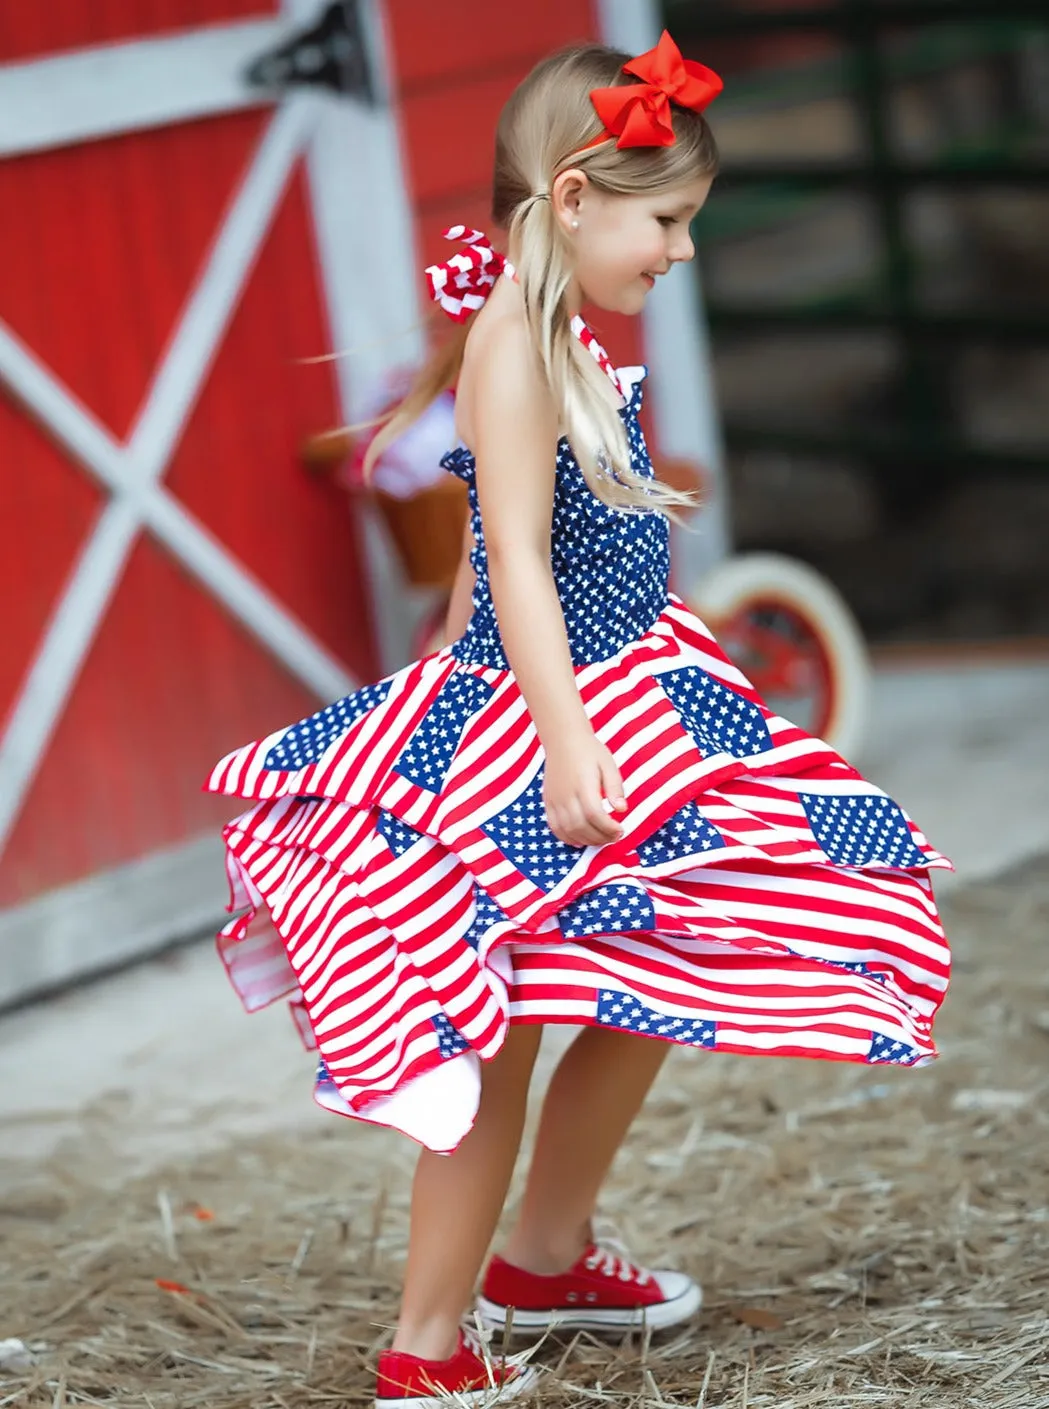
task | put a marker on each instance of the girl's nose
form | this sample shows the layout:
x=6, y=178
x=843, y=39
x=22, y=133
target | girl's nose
x=683, y=250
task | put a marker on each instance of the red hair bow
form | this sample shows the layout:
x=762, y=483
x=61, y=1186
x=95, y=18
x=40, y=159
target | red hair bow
x=638, y=114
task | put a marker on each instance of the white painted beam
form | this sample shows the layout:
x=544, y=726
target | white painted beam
x=111, y=918
x=66, y=98
x=363, y=225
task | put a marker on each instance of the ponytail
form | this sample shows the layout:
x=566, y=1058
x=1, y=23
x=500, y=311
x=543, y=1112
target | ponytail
x=438, y=373
x=593, y=427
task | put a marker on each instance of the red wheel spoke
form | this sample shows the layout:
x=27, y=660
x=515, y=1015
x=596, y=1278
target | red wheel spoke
x=784, y=657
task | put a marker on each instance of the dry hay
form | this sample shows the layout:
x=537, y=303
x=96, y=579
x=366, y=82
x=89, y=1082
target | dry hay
x=867, y=1237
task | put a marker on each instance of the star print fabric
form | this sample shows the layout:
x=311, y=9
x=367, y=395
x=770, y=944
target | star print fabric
x=610, y=568
x=396, y=878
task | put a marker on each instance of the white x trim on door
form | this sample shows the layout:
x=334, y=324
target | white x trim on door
x=132, y=474
x=109, y=90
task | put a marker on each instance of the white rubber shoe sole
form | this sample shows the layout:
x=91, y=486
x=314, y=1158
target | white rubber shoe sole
x=682, y=1299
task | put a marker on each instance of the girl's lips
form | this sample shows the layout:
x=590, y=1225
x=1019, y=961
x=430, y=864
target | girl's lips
x=649, y=280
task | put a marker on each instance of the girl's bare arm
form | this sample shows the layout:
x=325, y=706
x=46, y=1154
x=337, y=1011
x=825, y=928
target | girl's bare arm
x=515, y=436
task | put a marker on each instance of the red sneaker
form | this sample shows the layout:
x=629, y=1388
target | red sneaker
x=409, y=1382
x=600, y=1291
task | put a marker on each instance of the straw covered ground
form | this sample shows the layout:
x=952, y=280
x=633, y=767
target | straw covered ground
x=868, y=1237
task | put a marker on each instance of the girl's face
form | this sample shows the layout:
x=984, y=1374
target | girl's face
x=623, y=244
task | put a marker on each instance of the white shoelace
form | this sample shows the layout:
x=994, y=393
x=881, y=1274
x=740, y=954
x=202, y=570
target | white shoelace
x=616, y=1264
x=473, y=1341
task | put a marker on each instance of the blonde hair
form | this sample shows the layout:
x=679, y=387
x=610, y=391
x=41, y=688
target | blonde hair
x=545, y=128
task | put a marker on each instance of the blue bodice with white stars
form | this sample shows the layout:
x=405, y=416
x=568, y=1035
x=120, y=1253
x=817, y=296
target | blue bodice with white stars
x=611, y=568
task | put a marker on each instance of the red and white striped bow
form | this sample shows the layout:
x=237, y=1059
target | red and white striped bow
x=461, y=285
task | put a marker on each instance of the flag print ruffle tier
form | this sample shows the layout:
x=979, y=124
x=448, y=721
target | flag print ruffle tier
x=398, y=881
x=401, y=886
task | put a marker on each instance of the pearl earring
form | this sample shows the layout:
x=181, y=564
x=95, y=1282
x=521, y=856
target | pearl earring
x=575, y=224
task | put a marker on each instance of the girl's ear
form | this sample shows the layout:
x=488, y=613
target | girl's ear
x=567, y=197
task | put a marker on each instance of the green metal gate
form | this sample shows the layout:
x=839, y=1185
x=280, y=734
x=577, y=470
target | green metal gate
x=876, y=271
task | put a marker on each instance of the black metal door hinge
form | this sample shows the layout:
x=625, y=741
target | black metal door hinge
x=331, y=54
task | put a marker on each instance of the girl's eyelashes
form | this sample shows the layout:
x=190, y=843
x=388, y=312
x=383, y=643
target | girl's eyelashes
x=684, y=217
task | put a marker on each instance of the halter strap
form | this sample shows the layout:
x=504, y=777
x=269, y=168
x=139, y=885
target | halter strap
x=598, y=353
x=463, y=283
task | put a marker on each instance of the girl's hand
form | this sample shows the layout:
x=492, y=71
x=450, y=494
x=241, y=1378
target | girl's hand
x=580, y=775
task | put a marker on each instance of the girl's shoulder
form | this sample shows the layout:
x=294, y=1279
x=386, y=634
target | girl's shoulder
x=500, y=330
x=500, y=364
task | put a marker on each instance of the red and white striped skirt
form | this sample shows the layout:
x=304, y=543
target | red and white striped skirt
x=396, y=879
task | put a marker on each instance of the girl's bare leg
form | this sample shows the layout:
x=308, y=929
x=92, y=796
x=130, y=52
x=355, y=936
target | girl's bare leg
x=456, y=1203
x=596, y=1091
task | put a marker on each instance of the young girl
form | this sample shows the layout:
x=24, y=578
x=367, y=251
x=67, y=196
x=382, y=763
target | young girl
x=578, y=812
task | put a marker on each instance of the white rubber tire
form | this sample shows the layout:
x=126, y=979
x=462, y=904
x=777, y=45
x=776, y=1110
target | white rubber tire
x=771, y=577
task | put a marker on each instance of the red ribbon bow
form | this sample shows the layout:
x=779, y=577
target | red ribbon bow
x=639, y=114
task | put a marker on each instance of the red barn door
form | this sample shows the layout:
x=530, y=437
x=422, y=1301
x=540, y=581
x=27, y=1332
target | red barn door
x=173, y=581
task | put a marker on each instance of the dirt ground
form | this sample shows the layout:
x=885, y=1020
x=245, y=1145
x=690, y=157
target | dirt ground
x=866, y=1236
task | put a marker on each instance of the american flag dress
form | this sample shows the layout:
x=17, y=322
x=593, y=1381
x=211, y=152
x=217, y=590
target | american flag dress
x=396, y=879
